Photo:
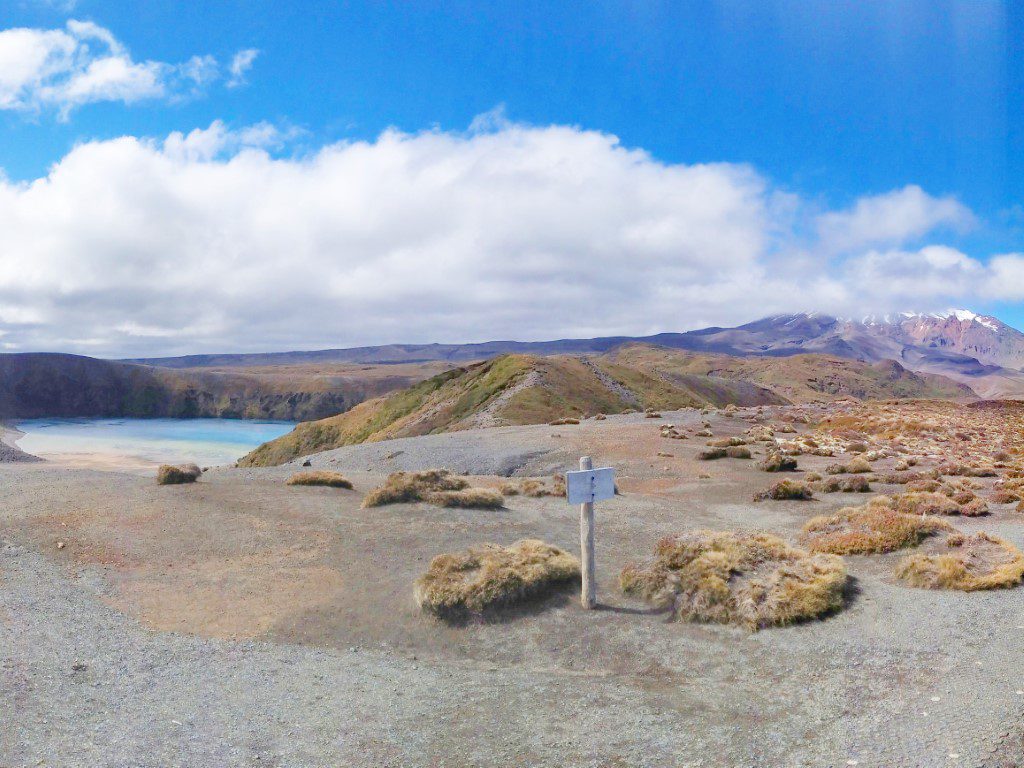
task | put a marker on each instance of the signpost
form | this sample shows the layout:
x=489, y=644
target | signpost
x=584, y=488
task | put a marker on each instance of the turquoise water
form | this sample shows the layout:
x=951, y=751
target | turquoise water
x=148, y=441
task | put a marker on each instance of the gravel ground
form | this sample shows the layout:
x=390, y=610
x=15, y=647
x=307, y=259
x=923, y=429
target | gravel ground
x=91, y=676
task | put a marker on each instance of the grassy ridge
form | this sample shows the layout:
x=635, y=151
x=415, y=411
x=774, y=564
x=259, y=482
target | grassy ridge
x=525, y=389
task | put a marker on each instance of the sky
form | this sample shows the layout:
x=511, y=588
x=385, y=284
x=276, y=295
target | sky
x=242, y=176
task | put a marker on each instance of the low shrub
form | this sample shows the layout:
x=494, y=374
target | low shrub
x=751, y=579
x=320, y=477
x=489, y=576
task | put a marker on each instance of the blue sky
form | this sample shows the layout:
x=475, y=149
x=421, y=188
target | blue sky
x=829, y=102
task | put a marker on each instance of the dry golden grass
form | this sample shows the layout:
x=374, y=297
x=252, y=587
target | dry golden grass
x=469, y=498
x=564, y=422
x=320, y=477
x=489, y=576
x=869, y=529
x=966, y=563
x=436, y=486
x=785, y=490
x=751, y=579
x=180, y=475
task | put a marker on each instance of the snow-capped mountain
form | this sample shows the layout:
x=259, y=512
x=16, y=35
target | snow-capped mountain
x=979, y=350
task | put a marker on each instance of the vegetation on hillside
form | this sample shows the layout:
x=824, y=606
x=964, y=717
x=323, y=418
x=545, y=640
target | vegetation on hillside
x=524, y=389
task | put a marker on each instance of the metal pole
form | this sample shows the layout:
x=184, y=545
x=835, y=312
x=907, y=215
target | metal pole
x=588, y=596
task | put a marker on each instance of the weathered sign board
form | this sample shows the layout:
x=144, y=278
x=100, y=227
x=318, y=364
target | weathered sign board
x=590, y=485
x=584, y=488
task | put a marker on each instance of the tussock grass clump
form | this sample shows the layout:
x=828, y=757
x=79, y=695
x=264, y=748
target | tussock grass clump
x=900, y=477
x=469, y=498
x=859, y=465
x=974, y=508
x=535, y=488
x=754, y=580
x=1006, y=496
x=785, y=490
x=710, y=454
x=963, y=470
x=568, y=420
x=926, y=503
x=726, y=442
x=320, y=477
x=852, y=484
x=776, y=462
x=966, y=563
x=435, y=486
x=737, y=452
x=869, y=529
x=490, y=576
x=169, y=474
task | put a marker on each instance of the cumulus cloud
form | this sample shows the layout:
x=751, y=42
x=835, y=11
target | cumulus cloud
x=894, y=217
x=241, y=63
x=207, y=241
x=62, y=69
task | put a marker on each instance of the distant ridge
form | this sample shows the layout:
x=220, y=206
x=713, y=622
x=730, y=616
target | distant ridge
x=978, y=350
x=531, y=389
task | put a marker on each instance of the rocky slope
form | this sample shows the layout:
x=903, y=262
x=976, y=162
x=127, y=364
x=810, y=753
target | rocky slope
x=527, y=389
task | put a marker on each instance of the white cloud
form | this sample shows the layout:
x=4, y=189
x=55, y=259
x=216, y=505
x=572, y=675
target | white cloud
x=241, y=63
x=62, y=69
x=895, y=217
x=204, y=241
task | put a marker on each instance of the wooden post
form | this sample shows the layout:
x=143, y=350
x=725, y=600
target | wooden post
x=588, y=595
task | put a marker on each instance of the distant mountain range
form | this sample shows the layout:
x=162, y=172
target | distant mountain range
x=978, y=350
x=975, y=351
